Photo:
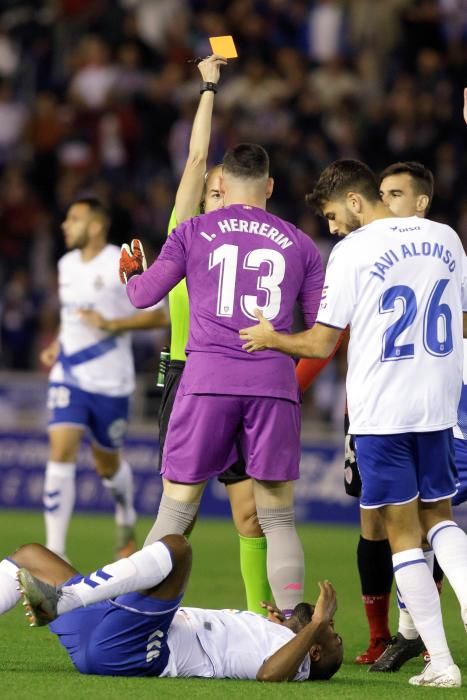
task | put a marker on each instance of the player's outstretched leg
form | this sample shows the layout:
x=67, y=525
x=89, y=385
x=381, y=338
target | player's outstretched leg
x=145, y=570
x=40, y=561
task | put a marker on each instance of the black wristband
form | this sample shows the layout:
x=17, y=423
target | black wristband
x=208, y=87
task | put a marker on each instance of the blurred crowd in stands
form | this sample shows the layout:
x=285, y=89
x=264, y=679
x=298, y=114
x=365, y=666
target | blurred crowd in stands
x=97, y=97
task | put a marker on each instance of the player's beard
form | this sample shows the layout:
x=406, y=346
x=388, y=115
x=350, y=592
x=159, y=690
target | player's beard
x=351, y=223
x=79, y=242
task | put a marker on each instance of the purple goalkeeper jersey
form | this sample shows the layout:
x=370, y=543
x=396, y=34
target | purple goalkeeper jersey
x=235, y=260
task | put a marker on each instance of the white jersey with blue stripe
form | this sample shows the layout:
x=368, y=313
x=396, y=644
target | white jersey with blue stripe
x=91, y=359
x=399, y=283
x=224, y=644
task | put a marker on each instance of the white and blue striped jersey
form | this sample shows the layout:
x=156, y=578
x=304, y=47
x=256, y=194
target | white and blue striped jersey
x=91, y=359
x=399, y=283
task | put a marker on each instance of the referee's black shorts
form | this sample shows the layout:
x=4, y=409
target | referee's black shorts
x=235, y=473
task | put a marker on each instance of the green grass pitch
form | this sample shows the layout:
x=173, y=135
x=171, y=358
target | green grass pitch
x=33, y=665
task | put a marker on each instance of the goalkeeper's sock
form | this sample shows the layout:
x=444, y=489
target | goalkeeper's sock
x=285, y=560
x=59, y=501
x=173, y=518
x=9, y=590
x=121, y=487
x=253, y=554
x=141, y=571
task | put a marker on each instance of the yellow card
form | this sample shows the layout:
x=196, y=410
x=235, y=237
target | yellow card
x=223, y=46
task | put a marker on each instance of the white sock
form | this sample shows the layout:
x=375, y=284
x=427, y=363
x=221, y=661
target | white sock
x=420, y=595
x=406, y=625
x=141, y=571
x=121, y=487
x=450, y=546
x=9, y=595
x=59, y=501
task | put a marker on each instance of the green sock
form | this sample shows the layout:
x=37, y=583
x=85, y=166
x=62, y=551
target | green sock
x=253, y=553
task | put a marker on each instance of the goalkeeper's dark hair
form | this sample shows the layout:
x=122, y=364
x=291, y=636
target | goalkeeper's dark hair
x=422, y=178
x=96, y=207
x=341, y=177
x=247, y=161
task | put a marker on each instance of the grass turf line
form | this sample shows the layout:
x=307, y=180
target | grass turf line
x=33, y=665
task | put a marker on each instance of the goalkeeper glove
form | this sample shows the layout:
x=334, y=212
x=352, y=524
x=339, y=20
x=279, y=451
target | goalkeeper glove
x=132, y=260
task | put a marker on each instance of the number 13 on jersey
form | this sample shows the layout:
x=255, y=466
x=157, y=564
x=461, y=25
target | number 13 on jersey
x=226, y=257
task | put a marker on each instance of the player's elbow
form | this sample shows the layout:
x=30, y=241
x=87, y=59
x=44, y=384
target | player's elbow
x=196, y=160
x=266, y=675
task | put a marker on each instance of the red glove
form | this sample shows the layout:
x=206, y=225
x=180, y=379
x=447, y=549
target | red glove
x=132, y=260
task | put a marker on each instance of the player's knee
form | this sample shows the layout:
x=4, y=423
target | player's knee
x=247, y=524
x=27, y=555
x=179, y=548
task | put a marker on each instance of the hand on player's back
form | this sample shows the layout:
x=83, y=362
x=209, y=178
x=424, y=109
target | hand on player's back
x=257, y=336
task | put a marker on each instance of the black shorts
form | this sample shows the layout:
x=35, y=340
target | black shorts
x=235, y=473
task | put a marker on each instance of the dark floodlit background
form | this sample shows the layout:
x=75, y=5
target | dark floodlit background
x=96, y=96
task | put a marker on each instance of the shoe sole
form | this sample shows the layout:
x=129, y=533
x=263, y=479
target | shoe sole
x=31, y=601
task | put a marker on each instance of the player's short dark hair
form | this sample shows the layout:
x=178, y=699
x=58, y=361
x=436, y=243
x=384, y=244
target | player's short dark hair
x=247, y=161
x=422, y=177
x=326, y=667
x=342, y=176
x=96, y=207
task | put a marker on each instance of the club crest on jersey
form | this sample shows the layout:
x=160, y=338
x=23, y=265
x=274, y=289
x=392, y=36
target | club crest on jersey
x=98, y=282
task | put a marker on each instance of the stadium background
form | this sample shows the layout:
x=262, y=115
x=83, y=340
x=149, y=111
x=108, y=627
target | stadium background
x=96, y=96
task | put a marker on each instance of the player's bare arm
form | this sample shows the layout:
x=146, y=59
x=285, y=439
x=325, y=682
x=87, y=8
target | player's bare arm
x=318, y=341
x=465, y=105
x=190, y=189
x=284, y=664
x=49, y=354
x=144, y=320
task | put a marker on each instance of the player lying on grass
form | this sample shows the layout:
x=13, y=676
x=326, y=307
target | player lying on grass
x=125, y=619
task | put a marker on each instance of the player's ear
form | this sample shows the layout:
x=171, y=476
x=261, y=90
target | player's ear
x=421, y=203
x=222, y=185
x=269, y=187
x=315, y=652
x=95, y=226
x=354, y=201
